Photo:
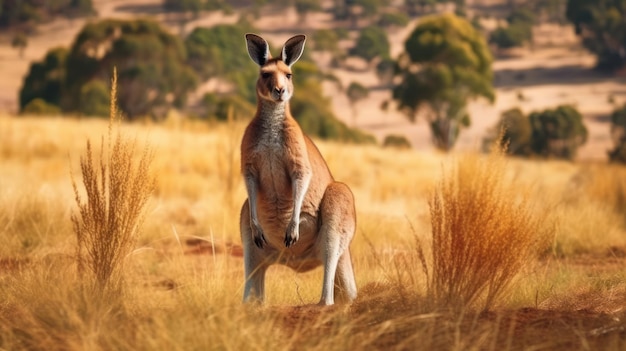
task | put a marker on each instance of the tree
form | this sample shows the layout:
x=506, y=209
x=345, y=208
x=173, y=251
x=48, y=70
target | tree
x=304, y=7
x=356, y=92
x=601, y=25
x=45, y=79
x=151, y=65
x=446, y=62
x=152, y=72
x=385, y=70
x=517, y=32
x=618, y=134
x=25, y=13
x=95, y=99
x=371, y=43
x=325, y=40
x=20, y=41
x=557, y=132
x=218, y=52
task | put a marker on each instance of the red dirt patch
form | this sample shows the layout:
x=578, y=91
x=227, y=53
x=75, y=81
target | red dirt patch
x=8, y=264
x=199, y=246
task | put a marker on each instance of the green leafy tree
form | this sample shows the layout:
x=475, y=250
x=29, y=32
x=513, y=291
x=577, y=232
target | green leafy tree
x=40, y=107
x=217, y=52
x=325, y=40
x=558, y=132
x=385, y=70
x=151, y=66
x=446, y=63
x=601, y=25
x=517, y=32
x=95, y=99
x=514, y=35
x=356, y=92
x=20, y=41
x=29, y=12
x=304, y=7
x=220, y=52
x=618, y=133
x=371, y=43
x=45, y=79
x=396, y=142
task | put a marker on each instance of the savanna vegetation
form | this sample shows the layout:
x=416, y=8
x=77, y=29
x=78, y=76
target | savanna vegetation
x=25, y=15
x=446, y=62
x=434, y=269
x=555, y=133
x=600, y=25
x=124, y=234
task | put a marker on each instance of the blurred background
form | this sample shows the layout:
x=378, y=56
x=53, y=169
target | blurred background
x=548, y=75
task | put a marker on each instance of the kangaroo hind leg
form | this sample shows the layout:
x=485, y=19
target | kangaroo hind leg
x=338, y=218
x=255, y=264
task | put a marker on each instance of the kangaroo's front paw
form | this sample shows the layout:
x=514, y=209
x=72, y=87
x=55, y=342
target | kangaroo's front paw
x=257, y=235
x=293, y=233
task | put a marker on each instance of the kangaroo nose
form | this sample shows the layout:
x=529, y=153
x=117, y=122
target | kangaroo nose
x=279, y=91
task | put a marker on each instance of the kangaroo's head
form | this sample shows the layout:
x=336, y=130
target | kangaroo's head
x=274, y=83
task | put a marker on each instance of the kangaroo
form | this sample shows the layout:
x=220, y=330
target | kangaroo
x=296, y=214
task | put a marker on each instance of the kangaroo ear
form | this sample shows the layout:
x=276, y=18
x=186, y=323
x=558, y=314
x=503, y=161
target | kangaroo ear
x=293, y=49
x=258, y=49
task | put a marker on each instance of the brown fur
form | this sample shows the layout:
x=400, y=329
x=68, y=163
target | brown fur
x=295, y=214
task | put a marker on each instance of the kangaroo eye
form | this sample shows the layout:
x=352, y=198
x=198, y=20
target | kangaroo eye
x=288, y=75
x=266, y=75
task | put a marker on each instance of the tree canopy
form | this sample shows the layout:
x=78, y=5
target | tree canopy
x=151, y=66
x=446, y=62
x=558, y=132
x=618, y=133
x=601, y=25
x=24, y=12
x=371, y=43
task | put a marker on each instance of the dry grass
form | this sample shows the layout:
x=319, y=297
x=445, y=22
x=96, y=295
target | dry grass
x=117, y=189
x=485, y=229
x=178, y=299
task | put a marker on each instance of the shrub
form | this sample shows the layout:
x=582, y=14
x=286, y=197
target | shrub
x=94, y=99
x=518, y=31
x=558, y=132
x=484, y=231
x=618, y=134
x=218, y=107
x=514, y=35
x=396, y=141
x=371, y=43
x=40, y=107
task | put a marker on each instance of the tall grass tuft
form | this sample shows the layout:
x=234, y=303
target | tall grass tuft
x=117, y=189
x=484, y=231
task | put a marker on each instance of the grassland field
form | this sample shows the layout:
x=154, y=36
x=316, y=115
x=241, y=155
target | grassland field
x=182, y=282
